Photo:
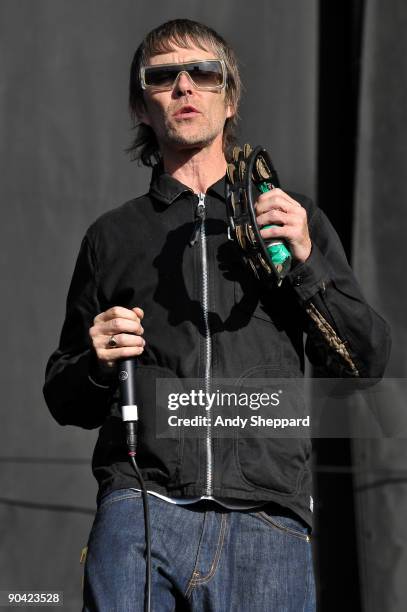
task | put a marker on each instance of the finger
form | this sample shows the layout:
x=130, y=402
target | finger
x=286, y=232
x=122, y=340
x=122, y=326
x=116, y=326
x=285, y=195
x=268, y=201
x=276, y=198
x=139, y=311
x=116, y=312
x=296, y=217
x=124, y=352
x=273, y=216
x=276, y=232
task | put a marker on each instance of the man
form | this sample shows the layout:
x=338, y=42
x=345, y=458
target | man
x=158, y=279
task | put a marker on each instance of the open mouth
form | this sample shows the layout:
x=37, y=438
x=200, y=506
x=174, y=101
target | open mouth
x=187, y=111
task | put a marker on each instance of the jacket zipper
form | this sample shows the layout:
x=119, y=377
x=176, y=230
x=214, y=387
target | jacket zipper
x=199, y=229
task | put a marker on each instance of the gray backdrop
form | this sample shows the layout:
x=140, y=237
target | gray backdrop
x=64, y=126
x=380, y=256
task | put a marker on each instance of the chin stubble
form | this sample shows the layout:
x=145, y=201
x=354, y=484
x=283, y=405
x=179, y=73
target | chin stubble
x=202, y=137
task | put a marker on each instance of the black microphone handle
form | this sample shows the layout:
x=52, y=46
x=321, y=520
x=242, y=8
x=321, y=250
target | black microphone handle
x=127, y=384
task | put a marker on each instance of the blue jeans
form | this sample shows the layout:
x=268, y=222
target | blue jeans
x=204, y=558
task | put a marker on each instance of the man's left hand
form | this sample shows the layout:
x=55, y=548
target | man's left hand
x=275, y=207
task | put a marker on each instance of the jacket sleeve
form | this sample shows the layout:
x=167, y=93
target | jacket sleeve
x=74, y=391
x=345, y=336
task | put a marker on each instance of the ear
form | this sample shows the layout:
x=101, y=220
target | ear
x=230, y=111
x=142, y=113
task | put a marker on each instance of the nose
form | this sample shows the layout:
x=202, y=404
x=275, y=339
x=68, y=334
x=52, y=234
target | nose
x=183, y=85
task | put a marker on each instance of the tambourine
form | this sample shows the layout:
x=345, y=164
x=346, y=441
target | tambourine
x=250, y=173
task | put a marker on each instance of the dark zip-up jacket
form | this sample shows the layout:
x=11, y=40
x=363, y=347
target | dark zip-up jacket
x=206, y=316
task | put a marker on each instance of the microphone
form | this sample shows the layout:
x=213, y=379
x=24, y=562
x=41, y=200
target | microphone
x=127, y=371
x=127, y=379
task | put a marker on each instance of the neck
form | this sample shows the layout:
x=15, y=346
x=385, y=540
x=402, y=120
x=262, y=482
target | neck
x=197, y=168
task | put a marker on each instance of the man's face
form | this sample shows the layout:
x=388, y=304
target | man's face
x=185, y=117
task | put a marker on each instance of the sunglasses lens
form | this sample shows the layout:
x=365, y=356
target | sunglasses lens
x=163, y=76
x=204, y=74
x=207, y=74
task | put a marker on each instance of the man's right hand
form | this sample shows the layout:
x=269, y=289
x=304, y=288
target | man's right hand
x=121, y=325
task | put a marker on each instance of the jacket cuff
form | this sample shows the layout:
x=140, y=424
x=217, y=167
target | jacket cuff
x=99, y=376
x=308, y=277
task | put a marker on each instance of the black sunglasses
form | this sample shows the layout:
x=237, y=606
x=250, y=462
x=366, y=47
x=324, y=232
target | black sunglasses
x=208, y=75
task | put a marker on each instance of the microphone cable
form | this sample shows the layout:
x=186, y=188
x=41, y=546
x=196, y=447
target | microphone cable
x=127, y=370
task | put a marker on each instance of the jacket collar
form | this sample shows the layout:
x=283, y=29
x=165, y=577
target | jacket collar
x=167, y=189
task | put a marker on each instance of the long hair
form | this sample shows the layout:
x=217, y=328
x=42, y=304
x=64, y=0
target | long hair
x=182, y=33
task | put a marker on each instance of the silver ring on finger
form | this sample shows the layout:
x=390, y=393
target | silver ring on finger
x=112, y=342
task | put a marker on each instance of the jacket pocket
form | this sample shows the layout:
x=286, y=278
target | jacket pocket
x=264, y=457
x=274, y=464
